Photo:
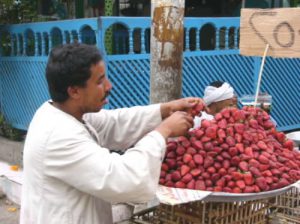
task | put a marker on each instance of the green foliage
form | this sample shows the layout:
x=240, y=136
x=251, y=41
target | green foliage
x=18, y=11
x=7, y=131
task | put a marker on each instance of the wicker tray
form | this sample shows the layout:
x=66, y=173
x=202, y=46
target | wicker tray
x=286, y=208
x=200, y=212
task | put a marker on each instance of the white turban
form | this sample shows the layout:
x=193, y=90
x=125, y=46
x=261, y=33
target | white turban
x=213, y=94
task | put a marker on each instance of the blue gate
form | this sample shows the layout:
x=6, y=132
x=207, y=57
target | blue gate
x=210, y=53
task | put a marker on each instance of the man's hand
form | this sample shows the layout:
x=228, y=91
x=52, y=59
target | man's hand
x=176, y=125
x=184, y=104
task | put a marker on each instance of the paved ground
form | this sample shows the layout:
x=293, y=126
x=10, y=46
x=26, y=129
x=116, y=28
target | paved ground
x=9, y=212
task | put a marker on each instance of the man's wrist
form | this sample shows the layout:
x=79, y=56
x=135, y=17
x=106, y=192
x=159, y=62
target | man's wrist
x=165, y=110
x=165, y=132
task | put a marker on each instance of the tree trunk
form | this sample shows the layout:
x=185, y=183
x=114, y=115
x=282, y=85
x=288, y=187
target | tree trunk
x=166, y=50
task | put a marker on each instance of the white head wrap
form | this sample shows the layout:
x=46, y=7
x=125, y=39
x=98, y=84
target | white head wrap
x=213, y=94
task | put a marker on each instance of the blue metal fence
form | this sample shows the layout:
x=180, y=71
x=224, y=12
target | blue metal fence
x=210, y=53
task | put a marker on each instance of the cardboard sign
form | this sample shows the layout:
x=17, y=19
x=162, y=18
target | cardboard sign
x=280, y=28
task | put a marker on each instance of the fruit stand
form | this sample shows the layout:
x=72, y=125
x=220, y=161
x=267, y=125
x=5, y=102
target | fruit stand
x=236, y=168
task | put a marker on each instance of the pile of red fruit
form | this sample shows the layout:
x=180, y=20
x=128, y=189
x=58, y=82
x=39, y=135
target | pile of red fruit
x=239, y=151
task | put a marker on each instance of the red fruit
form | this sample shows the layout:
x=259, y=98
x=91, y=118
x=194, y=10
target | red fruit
x=275, y=172
x=176, y=176
x=240, y=184
x=280, y=136
x=187, y=158
x=215, y=177
x=254, y=162
x=219, y=158
x=197, y=145
x=211, y=132
x=263, y=167
x=239, y=128
x=208, y=146
x=222, y=124
x=282, y=183
x=200, y=185
x=191, y=151
x=198, y=159
x=191, y=184
x=253, y=123
x=217, y=165
x=249, y=189
x=195, y=172
x=226, y=164
x=238, y=137
x=205, y=123
x=226, y=113
x=269, y=180
x=221, y=133
x=244, y=157
x=231, y=184
x=244, y=166
x=180, y=150
x=171, y=163
x=163, y=173
x=263, y=159
x=169, y=184
x=235, y=160
x=225, y=155
x=171, y=155
x=236, y=190
x=231, y=170
x=217, y=149
x=217, y=189
x=171, y=146
x=289, y=144
x=239, y=115
x=208, y=161
x=218, y=116
x=255, y=171
x=184, y=169
x=261, y=183
x=199, y=133
x=233, y=151
x=211, y=170
x=206, y=175
x=237, y=175
x=161, y=181
x=208, y=183
x=227, y=189
x=249, y=152
x=224, y=146
x=247, y=136
x=221, y=182
x=180, y=184
x=268, y=124
x=164, y=167
x=192, y=164
x=230, y=131
x=205, y=139
x=262, y=145
x=230, y=141
x=240, y=147
x=248, y=179
x=186, y=144
x=187, y=178
x=267, y=173
x=222, y=171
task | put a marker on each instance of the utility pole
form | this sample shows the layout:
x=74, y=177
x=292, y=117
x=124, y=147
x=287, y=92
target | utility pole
x=166, y=50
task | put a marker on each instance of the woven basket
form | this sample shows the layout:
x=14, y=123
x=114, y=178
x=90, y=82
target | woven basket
x=250, y=212
x=286, y=208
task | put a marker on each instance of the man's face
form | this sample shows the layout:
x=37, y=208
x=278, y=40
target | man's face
x=94, y=94
x=216, y=107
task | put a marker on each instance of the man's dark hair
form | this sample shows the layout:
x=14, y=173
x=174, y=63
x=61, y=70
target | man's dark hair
x=69, y=65
x=217, y=83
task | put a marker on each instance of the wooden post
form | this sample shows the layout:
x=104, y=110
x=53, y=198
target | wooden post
x=166, y=50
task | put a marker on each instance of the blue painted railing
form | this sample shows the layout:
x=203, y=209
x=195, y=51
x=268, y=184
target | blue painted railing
x=210, y=53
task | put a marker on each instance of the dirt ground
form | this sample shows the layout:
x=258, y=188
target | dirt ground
x=9, y=211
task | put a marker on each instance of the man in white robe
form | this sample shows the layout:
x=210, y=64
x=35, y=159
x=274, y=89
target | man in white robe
x=217, y=96
x=70, y=174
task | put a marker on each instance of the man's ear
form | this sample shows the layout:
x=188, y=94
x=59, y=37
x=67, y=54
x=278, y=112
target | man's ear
x=73, y=92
